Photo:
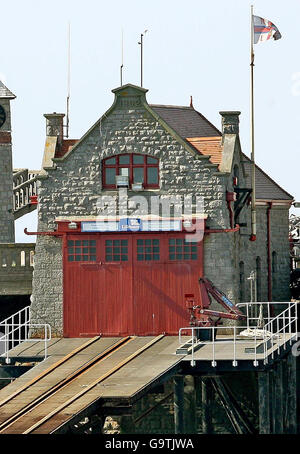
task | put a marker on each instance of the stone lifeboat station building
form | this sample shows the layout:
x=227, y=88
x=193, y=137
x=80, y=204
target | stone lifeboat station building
x=132, y=214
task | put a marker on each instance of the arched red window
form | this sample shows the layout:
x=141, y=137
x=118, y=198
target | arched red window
x=137, y=167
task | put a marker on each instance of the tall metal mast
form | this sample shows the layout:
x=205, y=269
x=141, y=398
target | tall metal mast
x=69, y=80
x=253, y=197
x=122, y=65
x=141, y=44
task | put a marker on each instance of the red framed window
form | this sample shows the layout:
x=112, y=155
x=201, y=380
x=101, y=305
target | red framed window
x=148, y=249
x=81, y=250
x=180, y=249
x=116, y=250
x=138, y=168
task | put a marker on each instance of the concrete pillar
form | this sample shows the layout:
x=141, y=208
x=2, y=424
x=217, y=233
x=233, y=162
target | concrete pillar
x=127, y=424
x=198, y=401
x=179, y=404
x=190, y=422
x=207, y=397
x=278, y=402
x=272, y=399
x=292, y=394
x=264, y=402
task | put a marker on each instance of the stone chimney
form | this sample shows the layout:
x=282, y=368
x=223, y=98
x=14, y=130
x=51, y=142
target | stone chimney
x=55, y=125
x=230, y=122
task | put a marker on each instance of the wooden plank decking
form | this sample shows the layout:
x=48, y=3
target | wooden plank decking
x=108, y=368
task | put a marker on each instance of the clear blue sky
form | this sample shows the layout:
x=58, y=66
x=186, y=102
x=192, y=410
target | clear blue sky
x=192, y=47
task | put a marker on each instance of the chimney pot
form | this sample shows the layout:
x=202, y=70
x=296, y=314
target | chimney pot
x=230, y=121
x=55, y=125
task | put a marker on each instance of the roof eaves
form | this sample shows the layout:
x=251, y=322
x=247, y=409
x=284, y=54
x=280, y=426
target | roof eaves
x=171, y=107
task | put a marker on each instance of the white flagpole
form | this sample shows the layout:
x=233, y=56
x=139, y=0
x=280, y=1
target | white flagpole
x=253, y=208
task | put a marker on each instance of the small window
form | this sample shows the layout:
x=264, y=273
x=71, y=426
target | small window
x=138, y=168
x=180, y=249
x=81, y=250
x=274, y=262
x=116, y=250
x=148, y=250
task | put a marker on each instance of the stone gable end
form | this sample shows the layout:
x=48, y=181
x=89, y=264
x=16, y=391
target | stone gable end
x=127, y=127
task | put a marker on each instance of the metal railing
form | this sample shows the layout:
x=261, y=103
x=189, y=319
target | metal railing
x=15, y=330
x=275, y=334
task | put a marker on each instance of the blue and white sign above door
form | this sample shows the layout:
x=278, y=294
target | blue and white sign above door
x=132, y=225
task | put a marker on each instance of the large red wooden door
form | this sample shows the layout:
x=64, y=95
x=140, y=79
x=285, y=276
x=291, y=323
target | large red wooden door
x=97, y=286
x=166, y=267
x=134, y=283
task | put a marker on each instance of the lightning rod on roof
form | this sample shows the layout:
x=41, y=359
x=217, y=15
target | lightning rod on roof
x=122, y=59
x=68, y=80
x=141, y=44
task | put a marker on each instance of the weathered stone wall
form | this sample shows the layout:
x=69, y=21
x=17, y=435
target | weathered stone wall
x=47, y=284
x=249, y=251
x=7, y=232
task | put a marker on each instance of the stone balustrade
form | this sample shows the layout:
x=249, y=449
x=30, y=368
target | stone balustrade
x=16, y=268
x=24, y=186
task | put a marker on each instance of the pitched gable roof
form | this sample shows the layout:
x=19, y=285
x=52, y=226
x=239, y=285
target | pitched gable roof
x=205, y=138
x=265, y=187
x=186, y=121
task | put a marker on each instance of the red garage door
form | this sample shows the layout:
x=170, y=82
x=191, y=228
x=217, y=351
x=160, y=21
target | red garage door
x=123, y=284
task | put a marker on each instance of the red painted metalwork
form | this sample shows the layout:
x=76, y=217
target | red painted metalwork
x=33, y=199
x=140, y=295
x=201, y=315
x=235, y=229
x=103, y=295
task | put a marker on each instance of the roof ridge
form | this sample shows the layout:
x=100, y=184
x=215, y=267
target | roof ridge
x=171, y=106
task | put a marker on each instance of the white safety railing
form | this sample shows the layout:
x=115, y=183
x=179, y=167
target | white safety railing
x=262, y=328
x=15, y=329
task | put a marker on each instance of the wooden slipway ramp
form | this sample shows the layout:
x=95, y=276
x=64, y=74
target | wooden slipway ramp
x=100, y=370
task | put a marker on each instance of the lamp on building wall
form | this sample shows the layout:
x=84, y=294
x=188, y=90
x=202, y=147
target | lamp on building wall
x=72, y=225
x=296, y=204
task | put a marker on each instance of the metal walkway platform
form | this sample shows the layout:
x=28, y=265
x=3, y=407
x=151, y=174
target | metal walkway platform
x=80, y=373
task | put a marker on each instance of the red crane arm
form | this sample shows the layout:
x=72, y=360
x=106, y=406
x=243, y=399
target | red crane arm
x=207, y=288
